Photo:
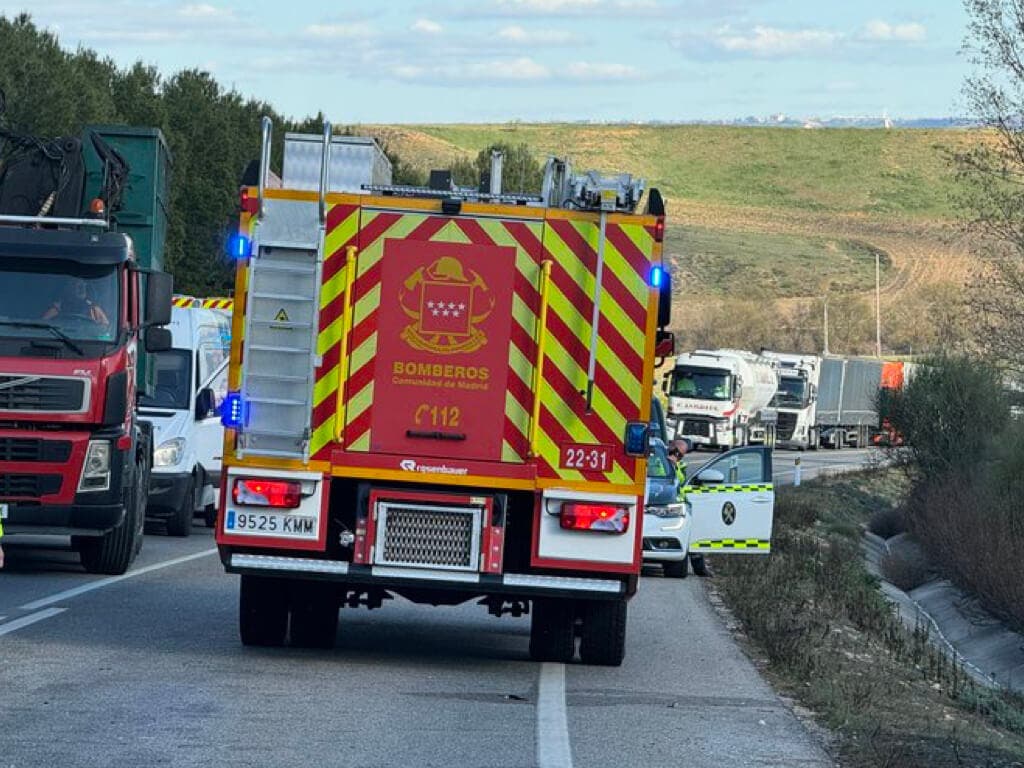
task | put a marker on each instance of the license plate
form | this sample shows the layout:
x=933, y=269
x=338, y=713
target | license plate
x=279, y=524
x=3, y=511
x=586, y=457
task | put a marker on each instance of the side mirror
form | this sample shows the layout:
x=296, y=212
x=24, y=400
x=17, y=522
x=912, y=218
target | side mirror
x=814, y=393
x=664, y=383
x=709, y=477
x=664, y=344
x=159, y=289
x=158, y=339
x=205, y=404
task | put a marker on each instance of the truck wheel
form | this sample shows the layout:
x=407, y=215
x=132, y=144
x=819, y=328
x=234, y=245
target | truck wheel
x=314, y=619
x=553, y=631
x=603, y=641
x=180, y=521
x=262, y=612
x=114, y=551
x=700, y=568
x=678, y=569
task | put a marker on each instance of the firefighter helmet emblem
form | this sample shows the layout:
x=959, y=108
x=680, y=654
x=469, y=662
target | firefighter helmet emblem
x=446, y=302
x=728, y=513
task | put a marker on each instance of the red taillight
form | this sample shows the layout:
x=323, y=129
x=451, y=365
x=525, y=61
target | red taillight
x=659, y=230
x=267, y=493
x=605, y=518
x=248, y=204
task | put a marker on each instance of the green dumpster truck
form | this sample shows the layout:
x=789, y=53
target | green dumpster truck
x=83, y=298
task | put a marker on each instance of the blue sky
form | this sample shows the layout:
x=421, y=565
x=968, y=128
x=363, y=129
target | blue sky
x=498, y=60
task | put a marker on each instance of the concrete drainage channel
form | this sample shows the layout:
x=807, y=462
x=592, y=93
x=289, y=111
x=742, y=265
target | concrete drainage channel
x=988, y=651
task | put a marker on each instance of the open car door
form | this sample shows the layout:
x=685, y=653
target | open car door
x=731, y=502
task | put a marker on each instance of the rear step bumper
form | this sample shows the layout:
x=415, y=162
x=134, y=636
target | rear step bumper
x=517, y=584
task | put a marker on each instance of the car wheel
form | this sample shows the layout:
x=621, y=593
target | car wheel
x=678, y=569
x=700, y=568
x=180, y=522
x=553, y=630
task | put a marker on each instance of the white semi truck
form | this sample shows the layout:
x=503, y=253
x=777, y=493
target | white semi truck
x=720, y=399
x=796, y=400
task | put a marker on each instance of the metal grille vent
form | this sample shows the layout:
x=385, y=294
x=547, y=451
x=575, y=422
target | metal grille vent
x=696, y=427
x=31, y=449
x=428, y=537
x=29, y=486
x=786, y=425
x=36, y=393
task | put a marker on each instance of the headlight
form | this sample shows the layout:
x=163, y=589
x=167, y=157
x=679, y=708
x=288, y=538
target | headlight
x=666, y=510
x=96, y=470
x=169, y=453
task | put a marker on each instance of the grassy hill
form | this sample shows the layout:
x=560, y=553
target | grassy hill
x=784, y=215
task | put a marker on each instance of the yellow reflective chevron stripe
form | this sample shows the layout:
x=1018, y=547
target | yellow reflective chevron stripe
x=730, y=488
x=712, y=544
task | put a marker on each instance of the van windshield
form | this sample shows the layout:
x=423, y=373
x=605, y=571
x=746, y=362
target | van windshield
x=173, y=375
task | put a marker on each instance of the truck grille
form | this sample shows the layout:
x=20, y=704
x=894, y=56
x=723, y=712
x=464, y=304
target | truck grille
x=426, y=536
x=786, y=425
x=41, y=393
x=29, y=486
x=30, y=449
x=696, y=427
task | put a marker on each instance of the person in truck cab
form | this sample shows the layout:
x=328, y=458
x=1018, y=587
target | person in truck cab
x=74, y=302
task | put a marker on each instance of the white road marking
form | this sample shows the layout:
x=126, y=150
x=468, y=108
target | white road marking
x=94, y=585
x=553, y=750
x=32, y=618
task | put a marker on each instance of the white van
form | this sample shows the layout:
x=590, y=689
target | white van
x=191, y=382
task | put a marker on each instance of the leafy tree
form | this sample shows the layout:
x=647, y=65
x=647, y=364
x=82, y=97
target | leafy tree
x=993, y=174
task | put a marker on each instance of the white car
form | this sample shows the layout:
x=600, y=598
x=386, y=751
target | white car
x=666, y=539
x=184, y=408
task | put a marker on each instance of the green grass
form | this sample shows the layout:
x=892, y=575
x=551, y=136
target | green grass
x=903, y=172
x=725, y=263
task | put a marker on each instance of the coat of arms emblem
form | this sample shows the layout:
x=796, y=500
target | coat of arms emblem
x=446, y=302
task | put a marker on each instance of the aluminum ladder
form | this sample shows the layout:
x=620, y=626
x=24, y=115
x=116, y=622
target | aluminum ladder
x=282, y=317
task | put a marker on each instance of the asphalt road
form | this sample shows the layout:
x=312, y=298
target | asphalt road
x=147, y=670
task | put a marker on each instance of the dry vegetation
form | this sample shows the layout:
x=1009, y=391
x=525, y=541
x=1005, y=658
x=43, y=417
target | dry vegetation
x=817, y=203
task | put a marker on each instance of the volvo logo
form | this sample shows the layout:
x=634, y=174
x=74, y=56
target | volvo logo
x=728, y=513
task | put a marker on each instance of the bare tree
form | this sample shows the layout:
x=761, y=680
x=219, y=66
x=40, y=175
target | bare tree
x=992, y=173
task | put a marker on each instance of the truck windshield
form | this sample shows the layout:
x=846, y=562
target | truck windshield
x=792, y=392
x=79, y=300
x=701, y=384
x=173, y=375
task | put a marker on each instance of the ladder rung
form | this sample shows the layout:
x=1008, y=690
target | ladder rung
x=281, y=296
x=268, y=348
x=274, y=433
x=282, y=325
x=278, y=401
x=277, y=377
x=271, y=266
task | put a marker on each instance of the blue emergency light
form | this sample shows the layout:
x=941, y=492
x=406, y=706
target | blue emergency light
x=232, y=413
x=657, y=276
x=636, y=438
x=239, y=247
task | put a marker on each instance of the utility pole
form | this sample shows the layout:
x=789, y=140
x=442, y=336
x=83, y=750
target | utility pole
x=878, y=304
x=825, y=304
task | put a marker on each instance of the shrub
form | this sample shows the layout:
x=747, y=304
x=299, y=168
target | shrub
x=888, y=522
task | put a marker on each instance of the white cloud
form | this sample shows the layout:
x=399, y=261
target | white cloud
x=883, y=31
x=520, y=36
x=339, y=31
x=772, y=41
x=585, y=70
x=570, y=7
x=427, y=27
x=202, y=11
x=495, y=71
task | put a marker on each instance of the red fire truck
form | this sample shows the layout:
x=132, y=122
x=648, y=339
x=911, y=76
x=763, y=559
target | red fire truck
x=440, y=393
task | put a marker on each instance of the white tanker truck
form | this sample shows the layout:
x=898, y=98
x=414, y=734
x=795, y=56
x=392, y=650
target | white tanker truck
x=720, y=399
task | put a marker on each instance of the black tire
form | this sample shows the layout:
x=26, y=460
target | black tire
x=700, y=567
x=678, y=569
x=113, y=552
x=210, y=515
x=262, y=612
x=314, y=613
x=180, y=522
x=603, y=641
x=553, y=631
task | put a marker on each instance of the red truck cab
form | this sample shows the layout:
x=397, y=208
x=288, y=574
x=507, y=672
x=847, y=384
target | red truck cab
x=76, y=313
